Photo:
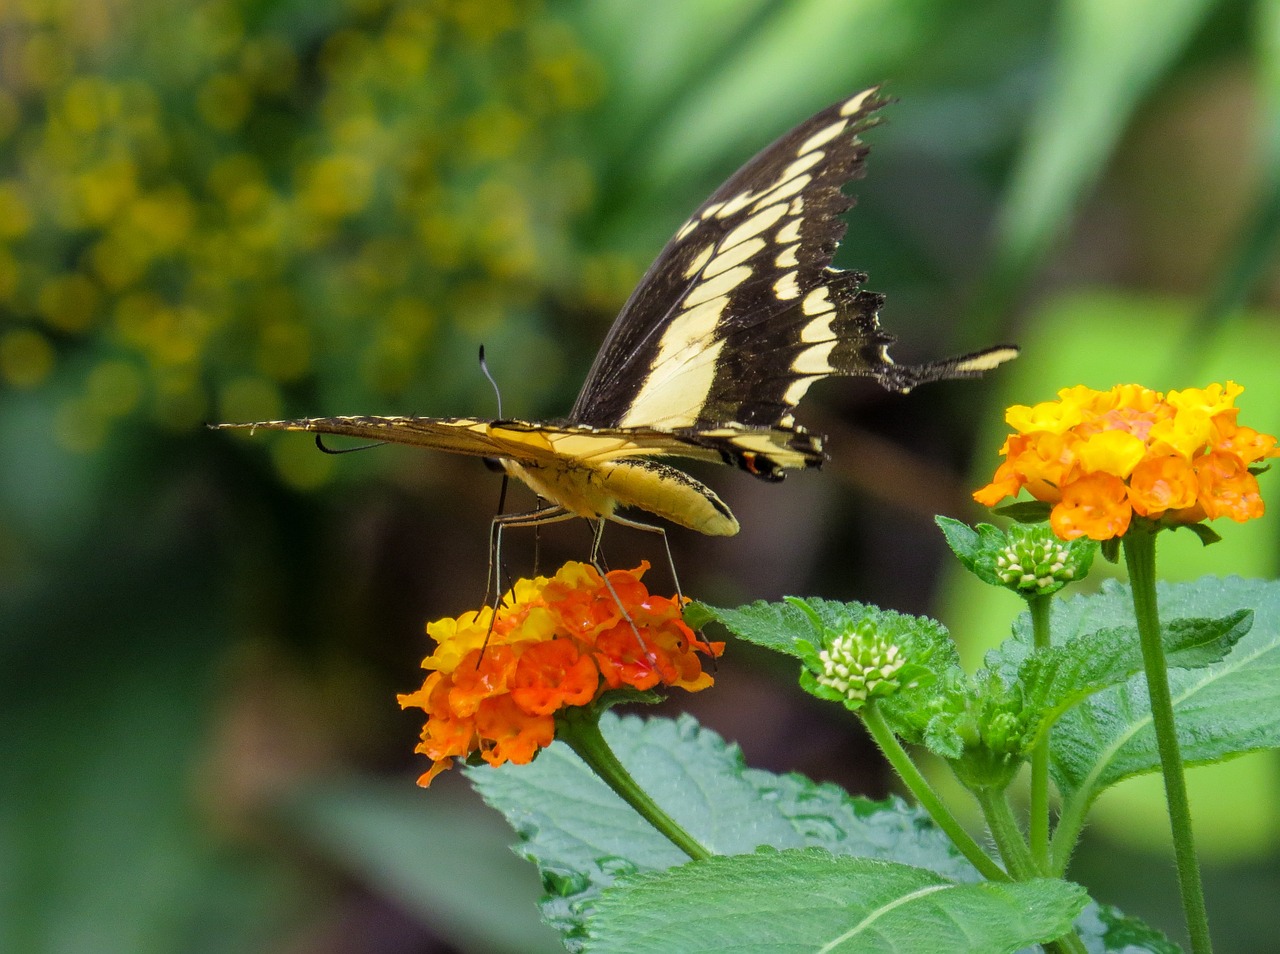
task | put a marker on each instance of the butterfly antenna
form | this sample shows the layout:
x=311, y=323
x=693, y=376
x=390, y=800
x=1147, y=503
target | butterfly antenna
x=345, y=450
x=497, y=392
x=493, y=578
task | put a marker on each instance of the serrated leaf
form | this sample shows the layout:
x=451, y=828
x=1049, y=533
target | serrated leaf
x=780, y=626
x=1189, y=642
x=1059, y=677
x=809, y=900
x=1222, y=710
x=1103, y=929
x=582, y=836
x=967, y=543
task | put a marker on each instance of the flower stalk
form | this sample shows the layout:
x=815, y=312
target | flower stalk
x=1140, y=558
x=579, y=728
x=925, y=794
x=1038, y=823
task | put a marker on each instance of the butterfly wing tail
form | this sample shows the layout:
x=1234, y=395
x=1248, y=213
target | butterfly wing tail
x=903, y=377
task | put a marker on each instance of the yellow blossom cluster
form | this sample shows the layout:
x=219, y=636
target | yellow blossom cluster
x=203, y=208
x=1103, y=457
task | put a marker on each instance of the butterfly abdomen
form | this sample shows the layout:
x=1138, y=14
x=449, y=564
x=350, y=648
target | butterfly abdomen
x=596, y=490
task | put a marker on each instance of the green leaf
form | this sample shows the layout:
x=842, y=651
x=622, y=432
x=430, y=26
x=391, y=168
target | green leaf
x=780, y=626
x=787, y=628
x=811, y=901
x=1025, y=511
x=582, y=836
x=1203, y=531
x=968, y=544
x=1103, y=928
x=1222, y=710
x=1109, y=655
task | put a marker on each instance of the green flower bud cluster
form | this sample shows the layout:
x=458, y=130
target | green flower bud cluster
x=1034, y=563
x=860, y=664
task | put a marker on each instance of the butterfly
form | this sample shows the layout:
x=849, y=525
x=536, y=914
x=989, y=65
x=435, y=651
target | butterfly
x=737, y=317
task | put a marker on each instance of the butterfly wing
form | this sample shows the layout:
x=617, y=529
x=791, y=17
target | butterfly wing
x=534, y=443
x=741, y=312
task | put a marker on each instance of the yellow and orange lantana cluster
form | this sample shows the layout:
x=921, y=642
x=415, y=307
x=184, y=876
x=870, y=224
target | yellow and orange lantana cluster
x=496, y=684
x=1102, y=457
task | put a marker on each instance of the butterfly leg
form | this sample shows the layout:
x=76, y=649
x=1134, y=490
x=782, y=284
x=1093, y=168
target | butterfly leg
x=597, y=562
x=666, y=545
x=532, y=518
x=551, y=513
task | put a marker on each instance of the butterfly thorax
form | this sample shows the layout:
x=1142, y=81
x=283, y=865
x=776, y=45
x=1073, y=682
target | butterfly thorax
x=597, y=489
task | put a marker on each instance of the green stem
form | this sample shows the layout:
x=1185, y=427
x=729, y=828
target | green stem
x=1140, y=558
x=1068, y=944
x=919, y=786
x=1017, y=856
x=1006, y=833
x=580, y=729
x=1070, y=824
x=1038, y=823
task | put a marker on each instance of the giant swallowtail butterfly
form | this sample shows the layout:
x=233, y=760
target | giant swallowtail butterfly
x=739, y=315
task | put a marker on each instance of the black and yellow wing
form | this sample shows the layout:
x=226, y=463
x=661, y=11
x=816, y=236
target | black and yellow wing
x=738, y=316
x=742, y=312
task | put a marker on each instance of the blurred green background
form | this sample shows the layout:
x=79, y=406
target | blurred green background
x=247, y=209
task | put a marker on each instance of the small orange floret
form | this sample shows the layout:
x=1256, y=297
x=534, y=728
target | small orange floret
x=1102, y=456
x=555, y=642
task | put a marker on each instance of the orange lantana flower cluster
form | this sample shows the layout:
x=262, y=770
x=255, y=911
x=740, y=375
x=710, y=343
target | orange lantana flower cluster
x=496, y=684
x=1101, y=457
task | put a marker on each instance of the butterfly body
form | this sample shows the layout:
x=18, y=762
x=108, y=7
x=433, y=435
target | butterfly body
x=598, y=491
x=737, y=317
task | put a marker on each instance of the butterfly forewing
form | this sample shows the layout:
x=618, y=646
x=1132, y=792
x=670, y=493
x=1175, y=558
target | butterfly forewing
x=725, y=302
x=742, y=311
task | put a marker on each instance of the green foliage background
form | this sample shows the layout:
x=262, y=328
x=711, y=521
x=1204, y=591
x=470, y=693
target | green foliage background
x=243, y=209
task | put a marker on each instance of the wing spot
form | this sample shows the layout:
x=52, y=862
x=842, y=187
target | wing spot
x=736, y=204
x=762, y=220
x=854, y=103
x=786, y=189
x=733, y=256
x=819, y=330
x=817, y=301
x=822, y=137
x=685, y=230
x=797, y=205
x=814, y=359
x=711, y=210
x=786, y=288
x=790, y=232
x=711, y=288
x=987, y=359
x=803, y=164
x=699, y=260
x=796, y=390
x=787, y=258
